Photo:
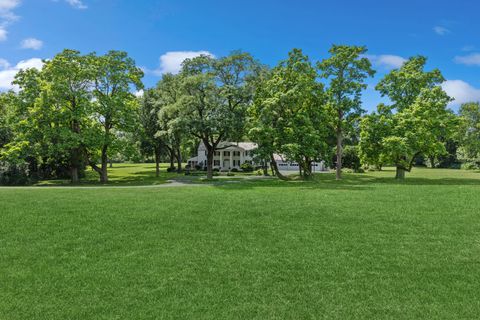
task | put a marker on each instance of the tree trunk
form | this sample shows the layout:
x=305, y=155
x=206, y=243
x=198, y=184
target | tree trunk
x=307, y=169
x=339, y=154
x=274, y=166
x=74, y=176
x=210, y=153
x=75, y=155
x=400, y=174
x=172, y=159
x=157, y=161
x=432, y=161
x=179, y=160
x=104, y=165
x=265, y=168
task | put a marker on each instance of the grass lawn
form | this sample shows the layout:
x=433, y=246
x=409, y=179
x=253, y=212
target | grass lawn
x=367, y=247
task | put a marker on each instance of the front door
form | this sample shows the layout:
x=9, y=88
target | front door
x=226, y=164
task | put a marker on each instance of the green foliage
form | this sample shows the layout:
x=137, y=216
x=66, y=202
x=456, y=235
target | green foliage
x=346, y=70
x=373, y=129
x=288, y=114
x=417, y=123
x=247, y=167
x=402, y=86
x=215, y=96
x=351, y=158
x=75, y=111
x=14, y=174
x=469, y=133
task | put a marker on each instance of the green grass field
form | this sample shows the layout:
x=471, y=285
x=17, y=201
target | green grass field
x=367, y=247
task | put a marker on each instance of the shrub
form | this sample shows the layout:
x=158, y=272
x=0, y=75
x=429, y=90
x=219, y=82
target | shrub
x=259, y=173
x=234, y=170
x=246, y=167
x=14, y=174
x=350, y=158
x=171, y=169
x=230, y=174
x=470, y=165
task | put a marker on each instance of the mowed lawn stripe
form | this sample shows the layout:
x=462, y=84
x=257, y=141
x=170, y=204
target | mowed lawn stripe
x=366, y=247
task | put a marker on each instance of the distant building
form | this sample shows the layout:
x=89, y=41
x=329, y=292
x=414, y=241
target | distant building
x=232, y=155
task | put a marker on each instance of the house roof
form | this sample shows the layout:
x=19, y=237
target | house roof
x=247, y=146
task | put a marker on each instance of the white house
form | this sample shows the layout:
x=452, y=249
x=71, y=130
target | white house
x=228, y=156
x=232, y=155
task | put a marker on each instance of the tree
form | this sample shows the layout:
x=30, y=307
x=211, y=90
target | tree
x=66, y=93
x=346, y=71
x=403, y=86
x=114, y=76
x=415, y=94
x=414, y=130
x=373, y=129
x=216, y=94
x=288, y=114
x=171, y=127
x=469, y=133
x=150, y=126
x=7, y=109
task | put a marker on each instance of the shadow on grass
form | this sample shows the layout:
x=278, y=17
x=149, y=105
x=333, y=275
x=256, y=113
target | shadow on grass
x=363, y=181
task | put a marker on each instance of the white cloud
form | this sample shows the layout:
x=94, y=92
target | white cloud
x=32, y=43
x=77, y=4
x=7, y=72
x=386, y=61
x=7, y=16
x=461, y=91
x=441, y=31
x=7, y=5
x=3, y=34
x=469, y=60
x=139, y=93
x=171, y=62
x=4, y=64
x=468, y=48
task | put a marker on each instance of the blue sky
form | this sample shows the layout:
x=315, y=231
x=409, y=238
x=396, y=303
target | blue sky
x=159, y=33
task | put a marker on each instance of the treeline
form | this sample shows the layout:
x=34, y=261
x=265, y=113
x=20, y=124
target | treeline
x=79, y=112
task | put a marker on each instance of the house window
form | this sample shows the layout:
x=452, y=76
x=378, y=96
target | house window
x=205, y=152
x=236, y=163
x=226, y=153
x=236, y=153
x=217, y=153
x=246, y=153
x=216, y=163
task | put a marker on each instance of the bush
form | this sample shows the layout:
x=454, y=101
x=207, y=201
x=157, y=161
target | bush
x=230, y=174
x=234, y=170
x=247, y=167
x=14, y=174
x=350, y=158
x=259, y=173
x=198, y=167
x=470, y=165
x=171, y=169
